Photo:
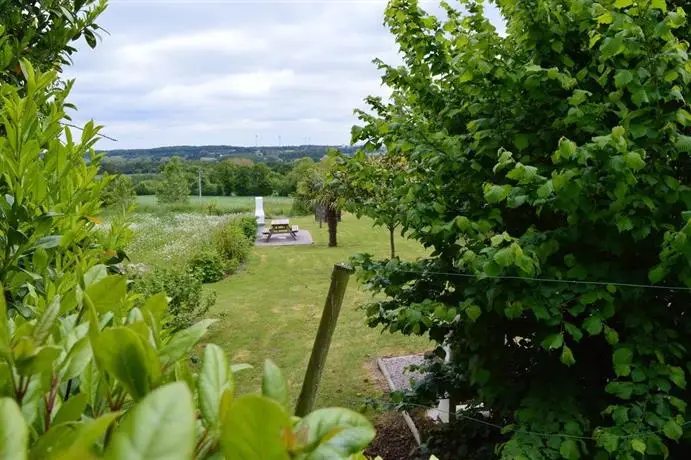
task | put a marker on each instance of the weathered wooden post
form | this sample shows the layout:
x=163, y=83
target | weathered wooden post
x=320, y=349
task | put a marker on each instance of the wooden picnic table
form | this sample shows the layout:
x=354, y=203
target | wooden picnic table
x=281, y=226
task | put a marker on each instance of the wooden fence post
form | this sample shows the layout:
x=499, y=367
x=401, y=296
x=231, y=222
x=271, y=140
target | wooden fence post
x=320, y=349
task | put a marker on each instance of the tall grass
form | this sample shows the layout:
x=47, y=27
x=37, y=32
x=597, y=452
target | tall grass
x=216, y=205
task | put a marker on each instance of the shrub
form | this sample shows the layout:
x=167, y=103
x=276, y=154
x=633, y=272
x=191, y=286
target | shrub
x=213, y=209
x=207, y=265
x=249, y=226
x=187, y=301
x=557, y=152
x=119, y=192
x=301, y=207
x=232, y=243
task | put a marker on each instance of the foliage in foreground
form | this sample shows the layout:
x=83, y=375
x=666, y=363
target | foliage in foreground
x=108, y=380
x=559, y=152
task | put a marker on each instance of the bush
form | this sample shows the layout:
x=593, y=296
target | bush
x=187, y=301
x=301, y=207
x=213, y=209
x=249, y=226
x=208, y=266
x=119, y=192
x=232, y=243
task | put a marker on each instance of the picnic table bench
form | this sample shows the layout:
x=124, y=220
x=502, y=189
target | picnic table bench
x=281, y=226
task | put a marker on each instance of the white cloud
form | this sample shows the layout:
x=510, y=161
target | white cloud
x=223, y=72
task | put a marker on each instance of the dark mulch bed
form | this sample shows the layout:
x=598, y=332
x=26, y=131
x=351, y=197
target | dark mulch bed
x=394, y=440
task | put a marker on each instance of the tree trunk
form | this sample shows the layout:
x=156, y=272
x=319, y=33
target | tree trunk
x=332, y=222
x=391, y=242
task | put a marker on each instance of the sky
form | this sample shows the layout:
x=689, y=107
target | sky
x=233, y=72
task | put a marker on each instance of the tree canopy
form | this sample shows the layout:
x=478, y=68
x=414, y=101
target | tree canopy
x=558, y=152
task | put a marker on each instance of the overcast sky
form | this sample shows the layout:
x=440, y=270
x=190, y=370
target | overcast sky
x=201, y=72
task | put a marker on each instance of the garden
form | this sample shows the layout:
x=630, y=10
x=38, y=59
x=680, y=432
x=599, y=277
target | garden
x=518, y=209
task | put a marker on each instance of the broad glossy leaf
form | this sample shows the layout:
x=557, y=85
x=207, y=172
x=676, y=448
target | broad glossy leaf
x=672, y=430
x=14, y=434
x=569, y=450
x=4, y=330
x=254, y=428
x=160, y=426
x=107, y=293
x=77, y=359
x=72, y=409
x=334, y=433
x=157, y=305
x=56, y=440
x=45, y=323
x=214, y=378
x=89, y=432
x=182, y=342
x=122, y=353
x=274, y=385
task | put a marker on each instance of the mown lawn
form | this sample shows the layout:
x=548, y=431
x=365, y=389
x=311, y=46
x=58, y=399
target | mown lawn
x=271, y=309
x=273, y=205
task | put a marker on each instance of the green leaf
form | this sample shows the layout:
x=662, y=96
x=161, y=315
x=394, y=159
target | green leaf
x=157, y=304
x=567, y=356
x=473, y=312
x=521, y=141
x=254, y=428
x=108, y=293
x=214, y=378
x=496, y=193
x=683, y=143
x=622, y=390
x=48, y=242
x=569, y=449
x=624, y=224
x=611, y=336
x=122, y=353
x=672, y=430
x=574, y=331
x=14, y=434
x=659, y=4
x=623, y=78
x=553, y=341
x=55, y=441
x=77, y=359
x=88, y=434
x=71, y=410
x=46, y=322
x=334, y=433
x=274, y=385
x=235, y=368
x=160, y=426
x=183, y=341
x=677, y=376
x=623, y=3
x=611, y=46
x=593, y=324
x=621, y=359
x=640, y=97
x=638, y=445
x=4, y=327
x=504, y=257
x=634, y=161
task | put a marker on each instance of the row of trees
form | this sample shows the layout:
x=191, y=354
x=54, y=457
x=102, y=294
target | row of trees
x=558, y=152
x=239, y=177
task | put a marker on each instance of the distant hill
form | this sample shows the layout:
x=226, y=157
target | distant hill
x=217, y=152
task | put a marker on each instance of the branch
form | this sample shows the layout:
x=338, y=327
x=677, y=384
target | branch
x=82, y=129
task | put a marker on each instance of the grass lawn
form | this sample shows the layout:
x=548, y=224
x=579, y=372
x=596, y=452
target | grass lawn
x=273, y=205
x=272, y=308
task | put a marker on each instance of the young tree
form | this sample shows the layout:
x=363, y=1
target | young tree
x=368, y=184
x=119, y=192
x=558, y=152
x=174, y=186
x=319, y=189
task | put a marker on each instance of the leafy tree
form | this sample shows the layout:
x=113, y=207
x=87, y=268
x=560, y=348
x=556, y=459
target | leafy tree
x=368, y=184
x=43, y=33
x=174, y=186
x=119, y=193
x=318, y=189
x=558, y=152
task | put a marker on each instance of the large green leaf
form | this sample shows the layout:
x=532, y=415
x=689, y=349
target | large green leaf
x=56, y=440
x=89, y=432
x=274, y=385
x=334, y=433
x=77, y=359
x=72, y=409
x=108, y=293
x=160, y=426
x=254, y=428
x=122, y=353
x=4, y=330
x=45, y=323
x=214, y=378
x=14, y=434
x=182, y=342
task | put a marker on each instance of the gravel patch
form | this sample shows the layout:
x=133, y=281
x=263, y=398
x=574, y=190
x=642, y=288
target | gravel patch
x=397, y=367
